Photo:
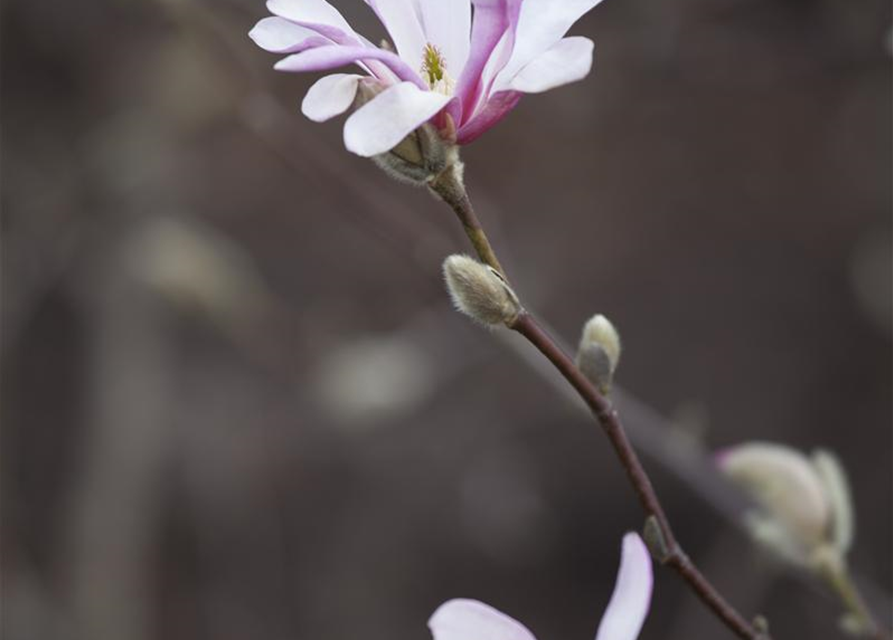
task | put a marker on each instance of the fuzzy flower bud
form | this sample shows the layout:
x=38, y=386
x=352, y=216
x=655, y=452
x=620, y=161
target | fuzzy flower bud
x=480, y=292
x=806, y=510
x=599, y=352
x=419, y=158
x=421, y=155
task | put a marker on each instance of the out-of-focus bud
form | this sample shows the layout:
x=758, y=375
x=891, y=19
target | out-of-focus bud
x=805, y=506
x=480, y=292
x=199, y=270
x=805, y=516
x=599, y=352
x=421, y=156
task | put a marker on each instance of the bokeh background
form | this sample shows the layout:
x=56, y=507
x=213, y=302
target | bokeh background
x=236, y=403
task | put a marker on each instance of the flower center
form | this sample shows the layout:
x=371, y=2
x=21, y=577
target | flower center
x=434, y=71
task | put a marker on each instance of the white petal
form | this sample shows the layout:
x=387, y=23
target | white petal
x=473, y=620
x=281, y=36
x=330, y=96
x=401, y=19
x=541, y=24
x=381, y=124
x=447, y=25
x=629, y=604
x=567, y=61
x=316, y=12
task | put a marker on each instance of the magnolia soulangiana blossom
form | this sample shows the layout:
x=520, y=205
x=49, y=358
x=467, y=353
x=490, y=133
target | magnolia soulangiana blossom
x=461, y=65
x=623, y=619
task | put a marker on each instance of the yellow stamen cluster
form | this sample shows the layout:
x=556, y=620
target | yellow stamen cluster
x=433, y=65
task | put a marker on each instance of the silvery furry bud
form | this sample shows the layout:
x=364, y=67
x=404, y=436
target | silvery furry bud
x=421, y=156
x=806, y=510
x=479, y=291
x=599, y=352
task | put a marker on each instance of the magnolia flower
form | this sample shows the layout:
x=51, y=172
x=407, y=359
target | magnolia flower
x=804, y=506
x=623, y=619
x=460, y=70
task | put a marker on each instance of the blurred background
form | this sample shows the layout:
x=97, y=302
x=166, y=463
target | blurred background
x=236, y=403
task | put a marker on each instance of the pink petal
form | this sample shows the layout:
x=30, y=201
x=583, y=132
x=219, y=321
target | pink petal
x=473, y=620
x=491, y=20
x=447, y=25
x=401, y=19
x=496, y=108
x=330, y=96
x=629, y=604
x=569, y=60
x=281, y=36
x=541, y=24
x=379, y=125
x=333, y=56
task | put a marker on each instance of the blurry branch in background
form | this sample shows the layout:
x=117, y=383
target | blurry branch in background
x=116, y=504
x=392, y=223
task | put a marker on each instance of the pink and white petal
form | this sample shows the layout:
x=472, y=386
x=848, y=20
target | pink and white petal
x=496, y=108
x=472, y=620
x=401, y=19
x=491, y=21
x=330, y=96
x=498, y=57
x=333, y=56
x=541, y=24
x=447, y=25
x=310, y=12
x=569, y=60
x=631, y=599
x=281, y=36
x=379, y=125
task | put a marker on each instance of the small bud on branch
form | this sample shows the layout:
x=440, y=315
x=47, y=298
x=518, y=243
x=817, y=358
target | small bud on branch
x=599, y=352
x=480, y=292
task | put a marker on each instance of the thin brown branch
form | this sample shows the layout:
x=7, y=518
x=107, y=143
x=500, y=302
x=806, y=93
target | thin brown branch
x=449, y=187
x=609, y=420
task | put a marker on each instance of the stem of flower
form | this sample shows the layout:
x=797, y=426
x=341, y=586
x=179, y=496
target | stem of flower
x=448, y=185
x=450, y=188
x=858, y=619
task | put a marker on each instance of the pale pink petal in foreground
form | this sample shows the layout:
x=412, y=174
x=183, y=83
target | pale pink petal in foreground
x=330, y=96
x=623, y=619
x=472, y=620
x=541, y=24
x=481, y=55
x=380, y=125
x=629, y=604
